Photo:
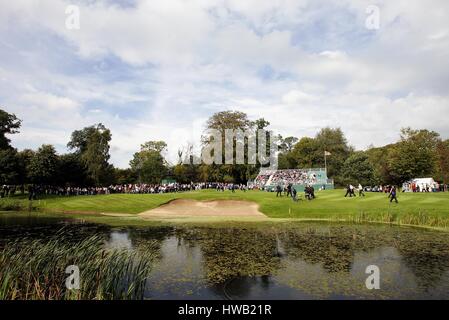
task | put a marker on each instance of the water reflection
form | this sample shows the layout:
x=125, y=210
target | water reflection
x=304, y=261
x=279, y=261
x=119, y=240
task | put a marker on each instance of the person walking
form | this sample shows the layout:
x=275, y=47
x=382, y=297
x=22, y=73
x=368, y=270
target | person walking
x=307, y=193
x=294, y=195
x=393, y=194
x=278, y=191
x=289, y=189
x=348, y=191
x=312, y=192
x=361, y=193
x=352, y=190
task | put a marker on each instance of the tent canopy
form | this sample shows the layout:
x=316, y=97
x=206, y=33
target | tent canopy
x=424, y=181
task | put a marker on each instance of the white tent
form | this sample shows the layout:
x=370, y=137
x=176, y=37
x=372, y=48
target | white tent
x=423, y=183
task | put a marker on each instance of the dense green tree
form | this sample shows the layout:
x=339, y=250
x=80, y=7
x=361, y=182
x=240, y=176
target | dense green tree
x=187, y=173
x=148, y=164
x=44, y=165
x=72, y=171
x=9, y=167
x=306, y=153
x=333, y=141
x=91, y=144
x=10, y=170
x=443, y=161
x=9, y=124
x=124, y=176
x=378, y=158
x=286, y=159
x=24, y=158
x=358, y=169
x=179, y=172
x=309, y=152
x=233, y=120
x=414, y=156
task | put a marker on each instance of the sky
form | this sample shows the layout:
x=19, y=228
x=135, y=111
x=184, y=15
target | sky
x=156, y=70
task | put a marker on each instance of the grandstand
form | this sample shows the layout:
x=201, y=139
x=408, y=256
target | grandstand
x=299, y=178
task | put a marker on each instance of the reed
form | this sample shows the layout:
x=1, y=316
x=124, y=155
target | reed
x=35, y=270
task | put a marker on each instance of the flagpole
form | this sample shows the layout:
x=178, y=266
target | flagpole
x=325, y=163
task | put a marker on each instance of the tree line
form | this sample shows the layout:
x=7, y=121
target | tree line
x=418, y=153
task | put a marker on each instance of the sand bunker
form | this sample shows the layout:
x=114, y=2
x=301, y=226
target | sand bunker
x=194, y=208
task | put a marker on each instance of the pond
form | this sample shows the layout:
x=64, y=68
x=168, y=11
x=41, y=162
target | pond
x=269, y=261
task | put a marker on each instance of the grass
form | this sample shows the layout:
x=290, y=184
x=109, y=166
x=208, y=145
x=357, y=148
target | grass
x=421, y=209
x=35, y=270
x=14, y=204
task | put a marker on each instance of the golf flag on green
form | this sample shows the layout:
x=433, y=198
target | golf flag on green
x=327, y=153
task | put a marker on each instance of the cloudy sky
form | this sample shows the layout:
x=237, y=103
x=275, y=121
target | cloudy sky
x=158, y=69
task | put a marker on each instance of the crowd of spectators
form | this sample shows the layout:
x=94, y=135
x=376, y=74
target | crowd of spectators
x=38, y=190
x=286, y=177
x=293, y=176
x=263, y=177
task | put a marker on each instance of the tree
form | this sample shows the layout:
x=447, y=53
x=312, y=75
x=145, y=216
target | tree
x=9, y=166
x=358, y=169
x=260, y=123
x=305, y=153
x=230, y=120
x=286, y=159
x=157, y=146
x=334, y=141
x=72, y=171
x=179, y=171
x=24, y=158
x=186, y=173
x=287, y=144
x=148, y=164
x=309, y=152
x=44, y=165
x=378, y=158
x=124, y=176
x=9, y=124
x=443, y=161
x=91, y=144
x=414, y=156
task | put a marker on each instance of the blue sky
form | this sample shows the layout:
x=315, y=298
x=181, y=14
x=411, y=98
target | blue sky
x=153, y=70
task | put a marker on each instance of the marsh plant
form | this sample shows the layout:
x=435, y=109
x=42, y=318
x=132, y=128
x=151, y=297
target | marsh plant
x=36, y=270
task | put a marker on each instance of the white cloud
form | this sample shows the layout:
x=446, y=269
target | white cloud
x=299, y=98
x=49, y=102
x=150, y=71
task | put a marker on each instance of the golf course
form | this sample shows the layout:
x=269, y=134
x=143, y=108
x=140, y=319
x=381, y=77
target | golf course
x=212, y=244
x=417, y=209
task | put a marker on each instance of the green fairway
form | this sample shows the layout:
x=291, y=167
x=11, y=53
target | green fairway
x=425, y=209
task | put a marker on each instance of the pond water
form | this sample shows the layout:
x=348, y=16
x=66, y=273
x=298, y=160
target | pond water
x=270, y=261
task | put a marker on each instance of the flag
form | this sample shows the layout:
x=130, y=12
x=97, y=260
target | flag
x=327, y=153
